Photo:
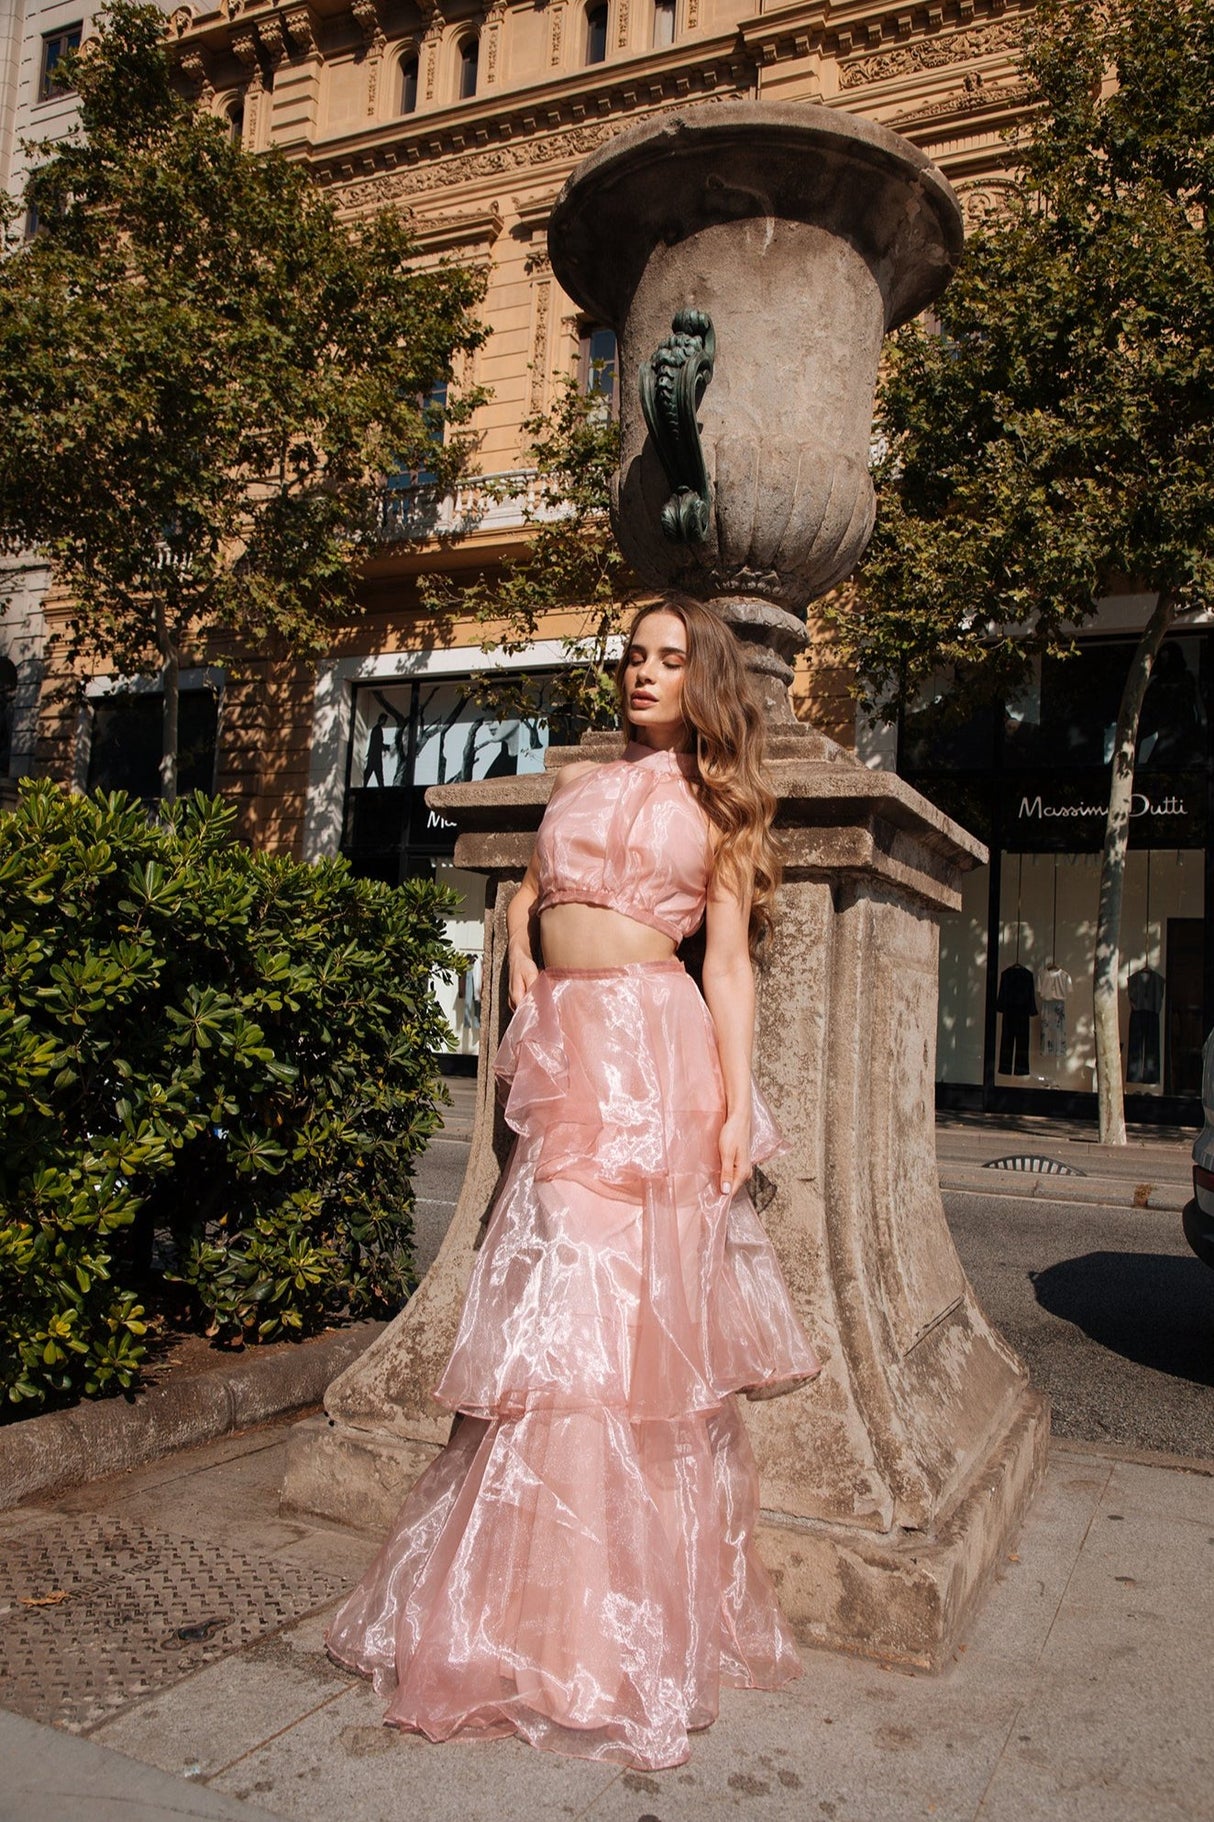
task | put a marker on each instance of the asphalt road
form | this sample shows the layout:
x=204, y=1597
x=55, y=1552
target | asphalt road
x=1112, y=1312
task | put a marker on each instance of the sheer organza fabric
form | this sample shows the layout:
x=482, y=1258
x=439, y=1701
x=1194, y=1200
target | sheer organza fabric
x=576, y=1566
x=630, y=835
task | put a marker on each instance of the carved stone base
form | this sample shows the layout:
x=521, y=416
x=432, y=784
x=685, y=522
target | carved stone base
x=893, y=1483
x=908, y=1598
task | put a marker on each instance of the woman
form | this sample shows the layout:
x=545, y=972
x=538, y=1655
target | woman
x=576, y=1566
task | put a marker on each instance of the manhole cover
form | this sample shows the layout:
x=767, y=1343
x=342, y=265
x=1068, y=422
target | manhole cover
x=1047, y=1167
x=95, y=1611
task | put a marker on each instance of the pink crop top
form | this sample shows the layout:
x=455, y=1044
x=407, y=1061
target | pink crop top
x=629, y=835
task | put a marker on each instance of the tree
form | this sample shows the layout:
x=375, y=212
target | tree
x=1055, y=439
x=572, y=564
x=205, y=375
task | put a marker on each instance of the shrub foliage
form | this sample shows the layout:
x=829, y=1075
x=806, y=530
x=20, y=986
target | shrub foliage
x=217, y=1069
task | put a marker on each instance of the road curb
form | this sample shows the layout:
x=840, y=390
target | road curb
x=45, y=1455
x=1106, y=1192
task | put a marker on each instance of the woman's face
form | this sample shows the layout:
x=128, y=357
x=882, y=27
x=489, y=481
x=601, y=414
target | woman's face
x=654, y=667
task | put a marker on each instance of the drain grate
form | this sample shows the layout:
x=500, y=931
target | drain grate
x=1048, y=1167
x=96, y=1611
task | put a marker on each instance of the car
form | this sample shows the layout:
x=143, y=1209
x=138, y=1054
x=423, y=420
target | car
x=1198, y=1215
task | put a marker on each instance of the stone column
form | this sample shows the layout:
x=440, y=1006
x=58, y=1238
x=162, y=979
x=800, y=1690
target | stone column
x=892, y=1484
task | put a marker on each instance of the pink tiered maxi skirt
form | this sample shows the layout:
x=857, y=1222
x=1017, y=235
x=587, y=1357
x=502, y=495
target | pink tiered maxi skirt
x=576, y=1565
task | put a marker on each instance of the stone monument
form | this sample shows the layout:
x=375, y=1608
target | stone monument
x=751, y=257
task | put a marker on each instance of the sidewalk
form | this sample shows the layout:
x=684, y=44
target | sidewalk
x=170, y=1621
x=1082, y=1692
x=1154, y=1170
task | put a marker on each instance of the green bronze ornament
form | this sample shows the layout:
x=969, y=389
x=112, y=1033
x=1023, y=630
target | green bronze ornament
x=672, y=385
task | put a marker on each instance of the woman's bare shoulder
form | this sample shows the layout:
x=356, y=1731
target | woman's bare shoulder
x=567, y=774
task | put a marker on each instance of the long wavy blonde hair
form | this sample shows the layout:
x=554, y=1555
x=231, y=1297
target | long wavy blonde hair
x=725, y=732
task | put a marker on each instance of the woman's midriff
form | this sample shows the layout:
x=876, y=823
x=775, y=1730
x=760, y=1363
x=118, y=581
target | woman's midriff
x=592, y=936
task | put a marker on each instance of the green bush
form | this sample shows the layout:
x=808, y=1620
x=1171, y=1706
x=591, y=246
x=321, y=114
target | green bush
x=226, y=1054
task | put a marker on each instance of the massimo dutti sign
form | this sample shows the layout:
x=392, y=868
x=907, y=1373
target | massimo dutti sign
x=1141, y=804
x=1060, y=812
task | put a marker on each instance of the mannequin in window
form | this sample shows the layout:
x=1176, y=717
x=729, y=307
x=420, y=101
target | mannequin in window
x=1054, y=986
x=1017, y=1001
x=1145, y=990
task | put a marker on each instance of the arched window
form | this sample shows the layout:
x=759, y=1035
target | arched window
x=596, y=34
x=469, y=58
x=663, y=23
x=235, y=115
x=408, y=86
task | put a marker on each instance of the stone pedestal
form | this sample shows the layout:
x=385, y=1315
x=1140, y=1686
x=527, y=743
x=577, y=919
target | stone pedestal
x=892, y=1484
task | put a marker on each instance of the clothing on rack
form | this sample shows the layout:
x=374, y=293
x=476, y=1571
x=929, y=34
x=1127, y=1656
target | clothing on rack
x=1145, y=991
x=1054, y=986
x=1017, y=1002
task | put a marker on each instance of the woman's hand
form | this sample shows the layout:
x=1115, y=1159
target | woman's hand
x=521, y=974
x=735, y=1153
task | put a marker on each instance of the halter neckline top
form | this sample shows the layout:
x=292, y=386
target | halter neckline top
x=629, y=835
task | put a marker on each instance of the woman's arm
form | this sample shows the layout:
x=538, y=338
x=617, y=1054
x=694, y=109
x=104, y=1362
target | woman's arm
x=729, y=989
x=521, y=968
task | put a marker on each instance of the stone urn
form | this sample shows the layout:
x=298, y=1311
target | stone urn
x=751, y=258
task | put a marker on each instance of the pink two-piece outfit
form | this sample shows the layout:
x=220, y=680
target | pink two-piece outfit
x=576, y=1565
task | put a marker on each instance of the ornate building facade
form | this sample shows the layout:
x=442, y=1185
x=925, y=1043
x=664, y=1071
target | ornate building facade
x=468, y=116
x=34, y=109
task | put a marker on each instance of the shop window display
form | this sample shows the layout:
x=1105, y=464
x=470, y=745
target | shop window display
x=405, y=737
x=1030, y=777
x=1047, y=929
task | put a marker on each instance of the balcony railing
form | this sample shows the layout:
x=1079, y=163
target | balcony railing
x=486, y=503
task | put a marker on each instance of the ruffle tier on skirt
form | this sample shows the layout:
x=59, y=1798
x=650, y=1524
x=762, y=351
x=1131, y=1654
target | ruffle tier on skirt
x=576, y=1566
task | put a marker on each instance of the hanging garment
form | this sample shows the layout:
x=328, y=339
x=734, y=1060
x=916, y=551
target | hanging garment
x=1017, y=1002
x=1145, y=991
x=576, y=1566
x=1054, y=986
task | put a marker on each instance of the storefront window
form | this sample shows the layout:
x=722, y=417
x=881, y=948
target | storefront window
x=1047, y=941
x=1031, y=779
x=125, y=746
x=404, y=738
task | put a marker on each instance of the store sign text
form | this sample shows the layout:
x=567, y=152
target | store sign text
x=1034, y=808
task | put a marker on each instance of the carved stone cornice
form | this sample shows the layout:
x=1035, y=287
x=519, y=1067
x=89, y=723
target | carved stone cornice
x=932, y=52
x=874, y=42
x=789, y=31
x=300, y=24
x=983, y=198
x=193, y=65
x=246, y=50
x=531, y=212
x=970, y=102
x=273, y=39
x=462, y=229
x=366, y=17
x=524, y=131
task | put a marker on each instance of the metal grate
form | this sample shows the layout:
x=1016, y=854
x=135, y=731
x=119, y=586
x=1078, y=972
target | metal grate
x=1048, y=1167
x=96, y=1611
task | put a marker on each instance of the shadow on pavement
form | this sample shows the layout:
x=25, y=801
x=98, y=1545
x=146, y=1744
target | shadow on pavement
x=1153, y=1308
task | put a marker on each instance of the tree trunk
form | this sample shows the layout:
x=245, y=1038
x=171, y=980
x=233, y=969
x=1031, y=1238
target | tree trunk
x=1109, y=1095
x=170, y=669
